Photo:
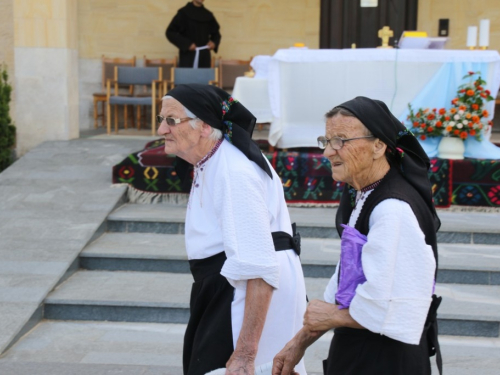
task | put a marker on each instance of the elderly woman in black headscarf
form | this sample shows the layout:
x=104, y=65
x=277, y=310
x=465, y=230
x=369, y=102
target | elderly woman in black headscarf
x=248, y=298
x=380, y=300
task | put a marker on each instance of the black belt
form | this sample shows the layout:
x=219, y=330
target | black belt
x=283, y=241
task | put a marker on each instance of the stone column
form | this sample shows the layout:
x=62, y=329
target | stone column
x=46, y=71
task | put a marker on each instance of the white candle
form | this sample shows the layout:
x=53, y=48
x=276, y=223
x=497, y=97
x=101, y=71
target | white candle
x=484, y=33
x=471, y=36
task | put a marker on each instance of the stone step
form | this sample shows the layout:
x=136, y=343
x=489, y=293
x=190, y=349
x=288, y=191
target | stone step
x=82, y=348
x=457, y=227
x=159, y=297
x=153, y=252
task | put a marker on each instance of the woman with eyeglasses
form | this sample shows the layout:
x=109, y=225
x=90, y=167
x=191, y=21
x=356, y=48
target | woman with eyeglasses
x=380, y=300
x=248, y=296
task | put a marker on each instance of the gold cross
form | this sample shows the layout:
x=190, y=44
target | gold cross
x=385, y=33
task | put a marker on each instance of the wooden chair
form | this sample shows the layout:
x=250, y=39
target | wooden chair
x=108, y=71
x=183, y=76
x=229, y=70
x=134, y=76
x=165, y=64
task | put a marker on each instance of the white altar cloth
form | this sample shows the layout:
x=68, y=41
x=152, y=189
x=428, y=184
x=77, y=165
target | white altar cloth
x=254, y=95
x=305, y=84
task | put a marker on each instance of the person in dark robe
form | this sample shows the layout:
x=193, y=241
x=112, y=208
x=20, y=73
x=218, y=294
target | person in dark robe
x=193, y=27
x=380, y=301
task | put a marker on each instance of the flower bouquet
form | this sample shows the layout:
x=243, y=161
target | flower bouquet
x=466, y=116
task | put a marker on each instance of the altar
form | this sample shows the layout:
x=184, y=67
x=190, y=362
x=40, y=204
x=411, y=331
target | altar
x=304, y=84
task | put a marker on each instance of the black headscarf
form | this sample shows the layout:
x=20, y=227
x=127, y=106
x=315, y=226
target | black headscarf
x=400, y=142
x=218, y=109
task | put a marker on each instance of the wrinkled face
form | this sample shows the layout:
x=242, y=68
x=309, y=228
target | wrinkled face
x=181, y=140
x=354, y=161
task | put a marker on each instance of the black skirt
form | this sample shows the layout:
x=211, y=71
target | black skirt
x=208, y=341
x=362, y=352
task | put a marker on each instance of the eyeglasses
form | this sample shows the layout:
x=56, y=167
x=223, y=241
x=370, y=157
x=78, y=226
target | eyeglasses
x=171, y=121
x=336, y=142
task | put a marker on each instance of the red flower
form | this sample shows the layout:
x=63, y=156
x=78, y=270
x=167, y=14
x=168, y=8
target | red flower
x=454, y=101
x=430, y=129
x=483, y=95
x=447, y=118
x=472, y=132
x=423, y=137
x=462, y=91
x=488, y=92
x=456, y=132
x=494, y=194
x=431, y=116
x=471, y=73
x=475, y=107
x=434, y=110
x=423, y=126
x=439, y=124
x=480, y=88
x=485, y=113
x=416, y=124
x=442, y=111
x=463, y=135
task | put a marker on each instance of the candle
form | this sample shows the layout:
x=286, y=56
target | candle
x=471, y=36
x=484, y=33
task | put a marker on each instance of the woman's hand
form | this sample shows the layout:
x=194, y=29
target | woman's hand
x=320, y=316
x=240, y=364
x=285, y=361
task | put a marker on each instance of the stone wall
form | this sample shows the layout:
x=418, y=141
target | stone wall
x=461, y=13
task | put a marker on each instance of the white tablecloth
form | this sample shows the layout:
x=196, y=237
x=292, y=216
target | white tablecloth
x=254, y=95
x=305, y=84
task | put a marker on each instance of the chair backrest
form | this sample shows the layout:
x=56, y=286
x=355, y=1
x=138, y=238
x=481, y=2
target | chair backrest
x=166, y=65
x=182, y=76
x=230, y=69
x=108, y=67
x=125, y=75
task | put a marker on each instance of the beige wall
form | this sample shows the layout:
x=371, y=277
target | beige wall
x=248, y=27
x=7, y=41
x=462, y=13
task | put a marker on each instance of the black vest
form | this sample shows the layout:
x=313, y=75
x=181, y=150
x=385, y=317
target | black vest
x=393, y=185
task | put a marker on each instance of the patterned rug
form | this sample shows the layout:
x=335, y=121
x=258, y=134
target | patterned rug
x=307, y=179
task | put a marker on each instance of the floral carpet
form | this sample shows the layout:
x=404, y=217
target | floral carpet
x=307, y=179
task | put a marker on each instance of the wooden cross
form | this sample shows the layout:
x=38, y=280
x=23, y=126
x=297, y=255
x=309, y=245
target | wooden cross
x=385, y=33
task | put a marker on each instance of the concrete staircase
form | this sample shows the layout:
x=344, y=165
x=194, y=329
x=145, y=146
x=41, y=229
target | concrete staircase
x=136, y=272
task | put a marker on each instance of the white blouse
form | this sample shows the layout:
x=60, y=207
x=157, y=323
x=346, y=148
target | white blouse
x=399, y=268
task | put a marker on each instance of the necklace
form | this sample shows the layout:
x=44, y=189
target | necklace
x=360, y=194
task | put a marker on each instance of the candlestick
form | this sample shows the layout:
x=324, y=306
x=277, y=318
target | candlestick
x=471, y=37
x=484, y=33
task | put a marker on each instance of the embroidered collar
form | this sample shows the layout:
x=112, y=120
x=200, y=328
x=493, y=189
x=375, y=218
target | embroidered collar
x=371, y=186
x=209, y=155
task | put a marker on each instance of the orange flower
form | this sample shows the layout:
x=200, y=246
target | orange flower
x=453, y=111
x=485, y=113
x=470, y=92
x=468, y=115
x=442, y=111
x=454, y=101
x=430, y=129
x=463, y=135
x=462, y=108
x=483, y=95
x=472, y=132
x=423, y=137
x=418, y=114
x=416, y=124
x=471, y=124
x=439, y=124
x=449, y=128
x=431, y=116
x=480, y=88
x=475, y=107
x=447, y=118
x=426, y=110
x=475, y=118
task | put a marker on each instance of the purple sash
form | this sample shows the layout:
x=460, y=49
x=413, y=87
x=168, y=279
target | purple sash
x=351, y=269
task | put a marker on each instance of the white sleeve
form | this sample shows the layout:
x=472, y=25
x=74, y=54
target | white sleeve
x=243, y=216
x=399, y=268
x=331, y=288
